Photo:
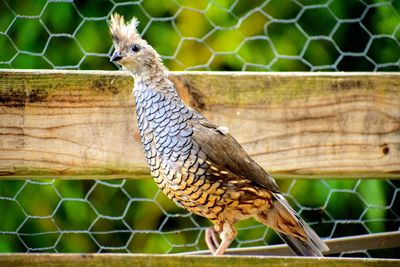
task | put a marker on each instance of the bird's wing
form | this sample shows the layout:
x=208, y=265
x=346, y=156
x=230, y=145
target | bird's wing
x=224, y=151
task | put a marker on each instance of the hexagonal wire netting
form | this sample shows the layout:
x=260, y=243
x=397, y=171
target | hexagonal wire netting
x=226, y=34
x=132, y=215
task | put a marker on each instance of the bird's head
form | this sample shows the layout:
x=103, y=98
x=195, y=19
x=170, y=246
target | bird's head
x=131, y=51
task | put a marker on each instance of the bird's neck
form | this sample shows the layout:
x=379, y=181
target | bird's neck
x=154, y=76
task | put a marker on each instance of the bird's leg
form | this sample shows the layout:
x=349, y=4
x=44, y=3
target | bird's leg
x=227, y=235
x=212, y=239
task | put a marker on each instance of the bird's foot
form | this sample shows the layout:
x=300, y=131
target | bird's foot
x=212, y=240
x=218, y=248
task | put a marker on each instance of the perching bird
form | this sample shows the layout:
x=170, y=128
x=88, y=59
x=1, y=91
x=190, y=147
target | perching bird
x=197, y=163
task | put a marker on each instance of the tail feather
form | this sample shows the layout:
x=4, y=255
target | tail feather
x=299, y=236
x=299, y=247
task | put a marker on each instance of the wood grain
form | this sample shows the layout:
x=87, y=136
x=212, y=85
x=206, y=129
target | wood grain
x=114, y=260
x=81, y=124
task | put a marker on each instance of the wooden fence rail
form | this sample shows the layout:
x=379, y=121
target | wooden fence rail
x=81, y=124
x=122, y=260
x=336, y=245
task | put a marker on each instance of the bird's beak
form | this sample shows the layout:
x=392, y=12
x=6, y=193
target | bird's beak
x=115, y=57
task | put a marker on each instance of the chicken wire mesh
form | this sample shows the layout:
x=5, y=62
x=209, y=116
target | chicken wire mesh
x=275, y=35
x=132, y=215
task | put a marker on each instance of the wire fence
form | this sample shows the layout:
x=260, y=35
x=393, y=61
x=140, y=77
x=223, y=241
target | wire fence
x=298, y=35
x=132, y=215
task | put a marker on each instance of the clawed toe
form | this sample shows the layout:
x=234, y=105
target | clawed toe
x=212, y=240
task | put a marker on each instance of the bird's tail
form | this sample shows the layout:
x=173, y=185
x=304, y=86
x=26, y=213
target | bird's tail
x=299, y=236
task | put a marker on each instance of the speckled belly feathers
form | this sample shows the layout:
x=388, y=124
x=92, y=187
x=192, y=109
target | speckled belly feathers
x=181, y=168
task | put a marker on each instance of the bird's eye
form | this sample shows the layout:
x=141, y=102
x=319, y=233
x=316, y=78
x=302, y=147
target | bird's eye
x=135, y=48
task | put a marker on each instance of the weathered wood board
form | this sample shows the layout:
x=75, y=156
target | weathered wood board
x=114, y=260
x=81, y=124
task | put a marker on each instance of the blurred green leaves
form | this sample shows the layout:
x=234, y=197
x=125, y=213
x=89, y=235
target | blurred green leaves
x=133, y=216
x=286, y=35
x=65, y=13
x=28, y=35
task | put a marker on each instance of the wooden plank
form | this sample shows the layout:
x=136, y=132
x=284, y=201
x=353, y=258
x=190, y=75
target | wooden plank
x=114, y=260
x=81, y=124
x=336, y=245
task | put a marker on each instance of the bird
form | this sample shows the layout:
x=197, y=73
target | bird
x=197, y=163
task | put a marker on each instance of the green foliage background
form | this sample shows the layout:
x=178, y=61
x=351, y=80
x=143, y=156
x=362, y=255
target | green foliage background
x=275, y=35
x=132, y=216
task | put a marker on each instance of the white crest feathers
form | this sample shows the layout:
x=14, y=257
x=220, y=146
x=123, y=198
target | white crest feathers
x=121, y=30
